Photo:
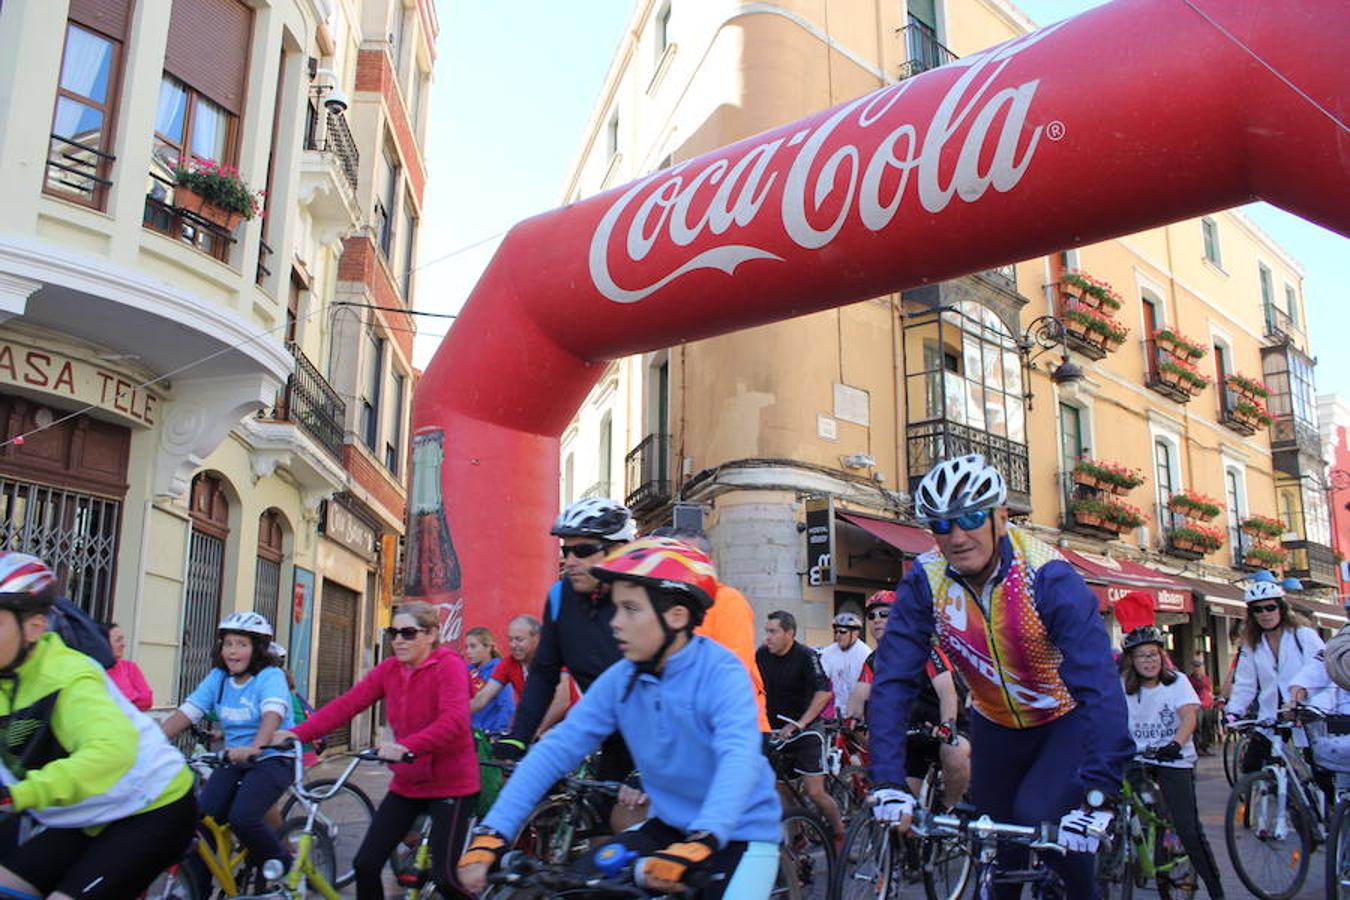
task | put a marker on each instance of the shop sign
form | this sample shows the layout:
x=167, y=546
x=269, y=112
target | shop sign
x=341, y=525
x=820, y=541
x=1164, y=600
x=46, y=371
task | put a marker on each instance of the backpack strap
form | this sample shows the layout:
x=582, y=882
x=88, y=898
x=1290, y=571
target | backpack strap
x=554, y=600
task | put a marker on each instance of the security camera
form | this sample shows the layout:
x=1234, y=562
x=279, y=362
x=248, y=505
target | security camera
x=336, y=101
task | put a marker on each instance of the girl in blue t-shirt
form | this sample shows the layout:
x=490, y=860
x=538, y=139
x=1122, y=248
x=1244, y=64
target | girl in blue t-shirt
x=480, y=650
x=248, y=694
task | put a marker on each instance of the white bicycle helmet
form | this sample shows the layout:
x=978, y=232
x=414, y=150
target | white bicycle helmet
x=959, y=485
x=246, y=623
x=1262, y=590
x=23, y=578
x=848, y=620
x=278, y=651
x=596, y=517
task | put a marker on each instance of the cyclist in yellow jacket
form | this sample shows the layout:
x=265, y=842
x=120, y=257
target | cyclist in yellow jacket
x=113, y=795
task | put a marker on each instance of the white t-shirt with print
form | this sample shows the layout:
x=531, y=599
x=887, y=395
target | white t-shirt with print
x=1155, y=717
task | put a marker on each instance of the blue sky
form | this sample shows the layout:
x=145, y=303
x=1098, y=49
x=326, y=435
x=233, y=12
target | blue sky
x=509, y=105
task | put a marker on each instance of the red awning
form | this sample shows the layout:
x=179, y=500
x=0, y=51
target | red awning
x=1112, y=579
x=906, y=538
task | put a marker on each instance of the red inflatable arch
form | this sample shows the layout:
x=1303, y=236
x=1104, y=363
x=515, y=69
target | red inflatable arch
x=1135, y=114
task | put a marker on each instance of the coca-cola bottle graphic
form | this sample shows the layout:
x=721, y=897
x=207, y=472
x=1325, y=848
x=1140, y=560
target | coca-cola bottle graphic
x=431, y=572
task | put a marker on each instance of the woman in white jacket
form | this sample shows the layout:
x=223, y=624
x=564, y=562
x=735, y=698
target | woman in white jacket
x=1274, y=649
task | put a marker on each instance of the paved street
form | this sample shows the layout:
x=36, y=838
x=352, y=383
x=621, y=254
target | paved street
x=1211, y=787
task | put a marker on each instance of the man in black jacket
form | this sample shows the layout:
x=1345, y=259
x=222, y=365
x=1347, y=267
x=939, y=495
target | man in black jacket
x=576, y=633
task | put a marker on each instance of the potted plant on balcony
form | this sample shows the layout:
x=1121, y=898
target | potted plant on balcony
x=215, y=192
x=1265, y=557
x=1089, y=512
x=1195, y=538
x=1262, y=526
x=1121, y=479
x=1178, y=344
x=1249, y=387
x=1088, y=473
x=1089, y=291
x=1251, y=411
x=1182, y=372
x=1121, y=516
x=1194, y=505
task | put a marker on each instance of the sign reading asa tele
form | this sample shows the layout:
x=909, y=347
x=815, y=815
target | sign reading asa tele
x=342, y=525
x=41, y=369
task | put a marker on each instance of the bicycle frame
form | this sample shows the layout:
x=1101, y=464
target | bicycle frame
x=303, y=866
x=219, y=855
x=1287, y=761
x=1143, y=827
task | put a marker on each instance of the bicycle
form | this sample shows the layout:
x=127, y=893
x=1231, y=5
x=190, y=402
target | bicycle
x=878, y=862
x=564, y=826
x=982, y=837
x=522, y=877
x=346, y=815
x=1275, y=817
x=1338, y=847
x=846, y=766
x=1142, y=845
x=808, y=847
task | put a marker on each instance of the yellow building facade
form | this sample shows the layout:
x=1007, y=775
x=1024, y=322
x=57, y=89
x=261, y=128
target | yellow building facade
x=194, y=405
x=797, y=444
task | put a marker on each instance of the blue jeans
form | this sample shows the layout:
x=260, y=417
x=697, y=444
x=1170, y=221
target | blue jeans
x=241, y=796
x=1025, y=777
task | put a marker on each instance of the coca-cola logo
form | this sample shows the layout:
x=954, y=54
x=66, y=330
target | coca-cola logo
x=865, y=171
x=452, y=620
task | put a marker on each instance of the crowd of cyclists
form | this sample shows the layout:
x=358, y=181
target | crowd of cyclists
x=992, y=665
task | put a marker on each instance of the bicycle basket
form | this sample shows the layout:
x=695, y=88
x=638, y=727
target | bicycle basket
x=1331, y=749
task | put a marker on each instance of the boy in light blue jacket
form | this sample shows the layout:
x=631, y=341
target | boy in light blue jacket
x=686, y=709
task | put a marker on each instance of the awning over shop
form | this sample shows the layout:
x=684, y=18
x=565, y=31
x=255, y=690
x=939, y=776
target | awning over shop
x=1224, y=597
x=1112, y=579
x=906, y=538
x=1324, y=613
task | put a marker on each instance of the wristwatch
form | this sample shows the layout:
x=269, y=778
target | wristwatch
x=1096, y=799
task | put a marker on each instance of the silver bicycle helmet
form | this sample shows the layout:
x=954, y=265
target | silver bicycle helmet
x=596, y=517
x=959, y=485
x=246, y=623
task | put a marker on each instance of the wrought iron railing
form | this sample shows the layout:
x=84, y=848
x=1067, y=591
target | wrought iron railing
x=311, y=403
x=1312, y=563
x=923, y=50
x=937, y=439
x=264, y=259
x=647, y=467
x=336, y=139
x=77, y=168
x=1228, y=415
x=1161, y=381
x=1280, y=325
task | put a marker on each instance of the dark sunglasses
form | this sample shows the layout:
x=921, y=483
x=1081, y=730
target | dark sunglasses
x=844, y=630
x=581, y=551
x=408, y=634
x=968, y=521
x=882, y=613
x=1264, y=607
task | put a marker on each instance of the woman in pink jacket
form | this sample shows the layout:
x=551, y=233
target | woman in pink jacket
x=126, y=674
x=425, y=688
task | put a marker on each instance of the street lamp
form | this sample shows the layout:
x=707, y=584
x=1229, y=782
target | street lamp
x=1044, y=334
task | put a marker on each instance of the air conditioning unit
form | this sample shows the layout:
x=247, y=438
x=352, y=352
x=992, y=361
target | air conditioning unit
x=687, y=517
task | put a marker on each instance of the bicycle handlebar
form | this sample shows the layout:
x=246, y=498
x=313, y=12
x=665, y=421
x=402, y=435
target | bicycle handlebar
x=521, y=870
x=1044, y=836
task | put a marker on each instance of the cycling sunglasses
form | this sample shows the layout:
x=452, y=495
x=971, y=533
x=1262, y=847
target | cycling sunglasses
x=1263, y=607
x=581, y=551
x=879, y=613
x=967, y=521
x=408, y=634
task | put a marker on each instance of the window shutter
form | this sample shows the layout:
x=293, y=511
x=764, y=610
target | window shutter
x=108, y=17
x=208, y=48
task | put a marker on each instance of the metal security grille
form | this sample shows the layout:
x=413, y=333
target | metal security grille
x=337, y=646
x=201, y=614
x=267, y=589
x=74, y=533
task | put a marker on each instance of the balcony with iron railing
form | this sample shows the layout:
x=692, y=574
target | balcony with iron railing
x=1294, y=441
x=1312, y=563
x=923, y=50
x=1281, y=327
x=937, y=439
x=1162, y=375
x=329, y=175
x=647, y=470
x=311, y=403
x=162, y=214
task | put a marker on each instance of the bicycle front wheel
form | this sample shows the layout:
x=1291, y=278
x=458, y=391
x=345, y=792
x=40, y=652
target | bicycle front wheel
x=322, y=856
x=947, y=865
x=346, y=816
x=1234, y=746
x=1338, y=853
x=1269, y=838
x=810, y=849
x=558, y=831
x=866, y=869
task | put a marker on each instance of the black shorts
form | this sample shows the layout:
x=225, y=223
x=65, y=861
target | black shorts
x=653, y=835
x=920, y=753
x=118, y=862
x=804, y=753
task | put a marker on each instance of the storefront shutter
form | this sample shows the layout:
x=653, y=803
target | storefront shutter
x=208, y=48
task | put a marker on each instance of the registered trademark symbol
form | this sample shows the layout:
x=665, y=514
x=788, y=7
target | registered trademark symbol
x=1055, y=130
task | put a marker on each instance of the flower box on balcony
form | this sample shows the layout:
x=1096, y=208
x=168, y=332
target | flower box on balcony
x=1194, y=506
x=1109, y=514
x=1107, y=476
x=1094, y=327
x=214, y=192
x=1178, y=344
x=1195, y=539
x=1248, y=387
x=1265, y=557
x=1181, y=373
x=1089, y=291
x=1251, y=412
x=1263, y=526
